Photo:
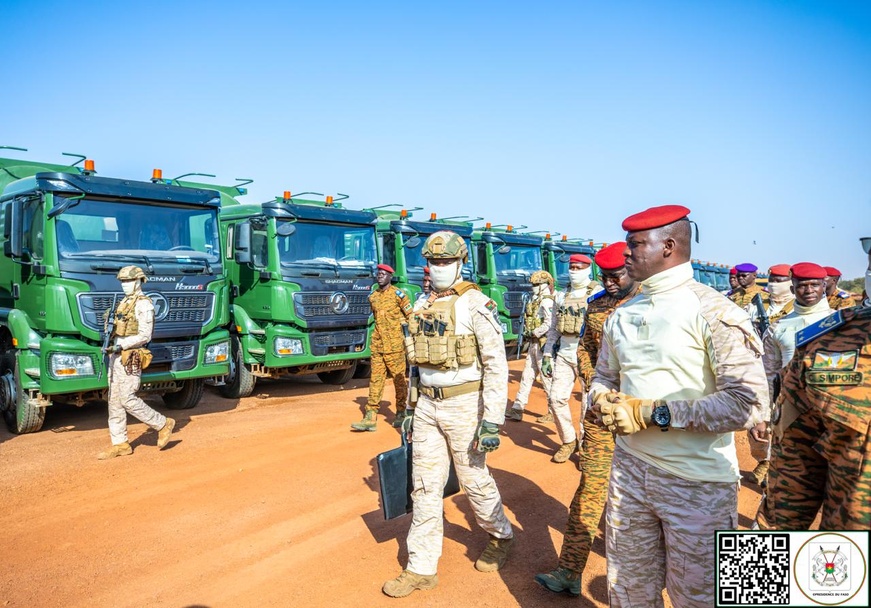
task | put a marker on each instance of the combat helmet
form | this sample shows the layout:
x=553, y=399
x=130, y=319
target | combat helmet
x=129, y=273
x=541, y=277
x=445, y=244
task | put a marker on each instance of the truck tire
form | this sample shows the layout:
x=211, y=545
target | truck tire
x=20, y=412
x=240, y=381
x=339, y=376
x=364, y=369
x=190, y=394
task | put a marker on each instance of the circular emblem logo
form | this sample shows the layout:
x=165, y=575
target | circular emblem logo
x=339, y=303
x=161, y=306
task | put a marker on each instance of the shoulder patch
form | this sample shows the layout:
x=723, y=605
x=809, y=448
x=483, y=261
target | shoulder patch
x=491, y=306
x=823, y=326
x=400, y=293
x=596, y=296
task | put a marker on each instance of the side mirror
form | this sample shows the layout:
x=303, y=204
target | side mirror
x=242, y=243
x=413, y=242
x=564, y=258
x=285, y=229
x=504, y=249
x=13, y=247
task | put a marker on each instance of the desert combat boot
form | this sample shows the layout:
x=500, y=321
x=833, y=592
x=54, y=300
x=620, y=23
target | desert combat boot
x=495, y=554
x=560, y=580
x=122, y=449
x=368, y=423
x=565, y=451
x=164, y=433
x=407, y=582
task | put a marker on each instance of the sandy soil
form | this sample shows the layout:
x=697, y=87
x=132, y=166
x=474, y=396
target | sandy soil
x=266, y=501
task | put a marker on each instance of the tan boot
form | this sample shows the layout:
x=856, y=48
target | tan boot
x=407, y=582
x=164, y=433
x=368, y=423
x=545, y=419
x=564, y=452
x=560, y=580
x=122, y=449
x=514, y=414
x=760, y=473
x=495, y=554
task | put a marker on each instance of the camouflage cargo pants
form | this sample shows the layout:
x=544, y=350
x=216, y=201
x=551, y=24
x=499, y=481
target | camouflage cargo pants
x=531, y=369
x=585, y=512
x=382, y=365
x=659, y=532
x=819, y=462
x=565, y=376
x=123, y=401
x=445, y=430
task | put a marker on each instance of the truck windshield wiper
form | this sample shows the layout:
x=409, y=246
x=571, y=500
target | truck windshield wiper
x=206, y=267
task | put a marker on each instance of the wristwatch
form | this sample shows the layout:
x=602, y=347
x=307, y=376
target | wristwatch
x=661, y=417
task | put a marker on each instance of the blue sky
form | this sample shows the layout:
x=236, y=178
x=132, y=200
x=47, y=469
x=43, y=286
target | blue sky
x=563, y=116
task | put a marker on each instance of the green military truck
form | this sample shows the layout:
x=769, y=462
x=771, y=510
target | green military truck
x=66, y=233
x=556, y=256
x=504, y=262
x=301, y=271
x=401, y=239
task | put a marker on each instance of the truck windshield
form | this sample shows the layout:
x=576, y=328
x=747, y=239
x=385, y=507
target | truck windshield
x=106, y=229
x=520, y=258
x=334, y=245
x=414, y=259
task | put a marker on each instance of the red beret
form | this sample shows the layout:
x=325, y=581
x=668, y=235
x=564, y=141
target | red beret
x=807, y=270
x=579, y=258
x=832, y=271
x=611, y=257
x=385, y=268
x=780, y=270
x=655, y=217
x=426, y=270
x=733, y=270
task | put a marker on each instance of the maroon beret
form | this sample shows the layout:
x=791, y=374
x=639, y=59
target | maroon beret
x=832, y=271
x=655, y=217
x=611, y=257
x=385, y=268
x=780, y=270
x=807, y=270
x=579, y=258
x=733, y=270
x=426, y=270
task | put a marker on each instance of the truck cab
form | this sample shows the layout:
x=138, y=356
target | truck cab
x=66, y=234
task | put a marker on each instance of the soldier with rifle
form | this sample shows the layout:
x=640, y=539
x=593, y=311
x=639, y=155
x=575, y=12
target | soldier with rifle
x=780, y=299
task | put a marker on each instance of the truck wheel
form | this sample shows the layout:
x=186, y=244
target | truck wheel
x=190, y=394
x=339, y=376
x=364, y=370
x=20, y=412
x=240, y=380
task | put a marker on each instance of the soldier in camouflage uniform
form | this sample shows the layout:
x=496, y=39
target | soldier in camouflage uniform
x=747, y=287
x=391, y=308
x=597, y=444
x=838, y=298
x=536, y=324
x=780, y=297
x=679, y=370
x=822, y=449
x=560, y=359
x=134, y=324
x=455, y=340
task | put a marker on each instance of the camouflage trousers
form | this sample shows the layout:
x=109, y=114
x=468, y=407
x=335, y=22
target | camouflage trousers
x=585, y=513
x=819, y=462
x=445, y=430
x=382, y=365
x=659, y=532
x=562, y=384
x=123, y=401
x=530, y=371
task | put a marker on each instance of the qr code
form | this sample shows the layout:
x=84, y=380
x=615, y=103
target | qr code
x=753, y=569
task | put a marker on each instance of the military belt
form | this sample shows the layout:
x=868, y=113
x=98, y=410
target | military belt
x=446, y=392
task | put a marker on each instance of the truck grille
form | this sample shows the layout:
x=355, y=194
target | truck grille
x=173, y=311
x=314, y=304
x=344, y=338
x=514, y=302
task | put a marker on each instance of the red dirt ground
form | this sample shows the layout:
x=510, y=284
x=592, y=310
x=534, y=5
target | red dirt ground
x=266, y=501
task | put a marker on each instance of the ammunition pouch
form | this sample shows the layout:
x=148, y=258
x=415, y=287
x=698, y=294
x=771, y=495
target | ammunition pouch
x=136, y=359
x=413, y=387
x=570, y=320
x=430, y=339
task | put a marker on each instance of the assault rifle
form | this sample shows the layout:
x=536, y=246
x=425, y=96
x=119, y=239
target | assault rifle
x=108, y=330
x=522, y=329
x=763, y=322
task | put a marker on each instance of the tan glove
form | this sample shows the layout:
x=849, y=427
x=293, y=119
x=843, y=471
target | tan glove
x=625, y=415
x=598, y=401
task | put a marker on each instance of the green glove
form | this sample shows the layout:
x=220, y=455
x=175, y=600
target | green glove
x=408, y=423
x=488, y=436
x=547, y=367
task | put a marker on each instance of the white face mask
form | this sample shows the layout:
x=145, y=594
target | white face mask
x=779, y=290
x=129, y=287
x=579, y=278
x=539, y=290
x=443, y=277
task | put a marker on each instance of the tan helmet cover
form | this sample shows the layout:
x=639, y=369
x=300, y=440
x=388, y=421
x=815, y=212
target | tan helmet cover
x=445, y=244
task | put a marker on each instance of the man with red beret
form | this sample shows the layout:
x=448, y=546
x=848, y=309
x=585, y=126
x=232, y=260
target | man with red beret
x=822, y=454
x=780, y=297
x=597, y=443
x=679, y=370
x=560, y=360
x=733, y=281
x=391, y=309
x=838, y=298
x=426, y=286
x=747, y=287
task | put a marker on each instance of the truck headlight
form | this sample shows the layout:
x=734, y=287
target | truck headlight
x=217, y=353
x=63, y=365
x=288, y=346
x=504, y=327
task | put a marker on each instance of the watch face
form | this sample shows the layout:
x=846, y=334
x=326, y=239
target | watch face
x=661, y=416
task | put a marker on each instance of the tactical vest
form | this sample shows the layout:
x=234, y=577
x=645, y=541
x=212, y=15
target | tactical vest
x=531, y=319
x=430, y=337
x=126, y=323
x=570, y=316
